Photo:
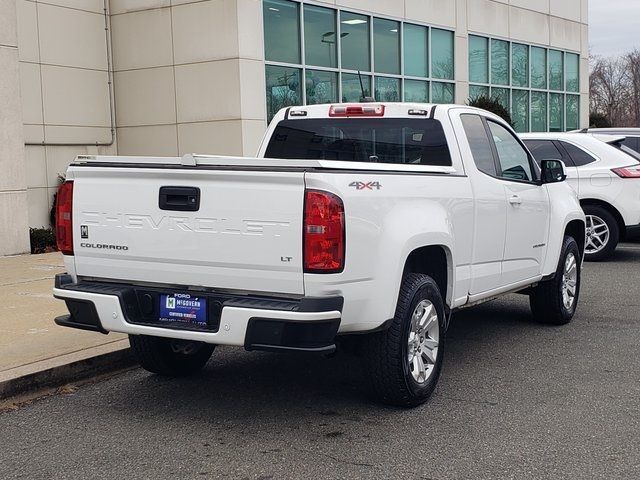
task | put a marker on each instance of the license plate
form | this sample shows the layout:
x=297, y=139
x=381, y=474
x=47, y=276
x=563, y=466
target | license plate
x=182, y=308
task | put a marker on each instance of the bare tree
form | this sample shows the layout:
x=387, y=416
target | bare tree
x=614, y=88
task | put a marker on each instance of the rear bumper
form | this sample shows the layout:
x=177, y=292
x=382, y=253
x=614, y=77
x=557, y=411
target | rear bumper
x=257, y=323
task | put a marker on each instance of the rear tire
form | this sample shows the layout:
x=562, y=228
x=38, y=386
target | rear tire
x=602, y=235
x=404, y=361
x=554, y=301
x=170, y=357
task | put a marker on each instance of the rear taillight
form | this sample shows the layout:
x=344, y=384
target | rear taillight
x=632, y=171
x=64, y=223
x=366, y=110
x=323, y=232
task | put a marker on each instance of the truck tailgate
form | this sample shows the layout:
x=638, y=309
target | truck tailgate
x=245, y=235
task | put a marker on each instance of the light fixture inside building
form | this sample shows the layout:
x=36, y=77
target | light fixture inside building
x=353, y=21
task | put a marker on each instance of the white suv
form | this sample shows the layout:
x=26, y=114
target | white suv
x=606, y=175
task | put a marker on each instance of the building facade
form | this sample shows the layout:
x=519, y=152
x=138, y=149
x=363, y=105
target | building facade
x=169, y=77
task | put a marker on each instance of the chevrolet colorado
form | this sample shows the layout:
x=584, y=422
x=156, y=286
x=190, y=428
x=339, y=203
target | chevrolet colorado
x=375, y=219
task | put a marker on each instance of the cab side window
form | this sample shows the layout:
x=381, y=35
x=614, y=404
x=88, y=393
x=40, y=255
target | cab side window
x=512, y=156
x=479, y=143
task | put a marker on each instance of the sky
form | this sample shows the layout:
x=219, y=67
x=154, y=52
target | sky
x=614, y=26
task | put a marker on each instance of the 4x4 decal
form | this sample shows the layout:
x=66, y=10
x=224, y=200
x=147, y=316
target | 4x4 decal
x=366, y=185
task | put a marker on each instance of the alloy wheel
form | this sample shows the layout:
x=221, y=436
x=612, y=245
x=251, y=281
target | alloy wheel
x=423, y=341
x=598, y=234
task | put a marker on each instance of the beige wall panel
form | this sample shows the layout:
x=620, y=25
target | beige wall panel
x=205, y=31
x=212, y=138
x=394, y=8
x=124, y=6
x=12, y=176
x=461, y=58
x=159, y=140
x=14, y=223
x=462, y=92
x=145, y=97
x=569, y=9
x=584, y=76
x=488, y=17
x=584, y=9
x=58, y=159
x=541, y=6
x=461, y=17
x=584, y=111
x=33, y=133
x=36, y=167
x=142, y=39
x=72, y=37
x=252, y=88
x=15, y=240
x=434, y=12
x=528, y=26
x=31, y=92
x=565, y=34
x=250, y=29
x=584, y=40
x=96, y=6
x=252, y=133
x=202, y=91
x=38, y=210
x=27, y=31
x=74, y=96
x=88, y=135
x=8, y=24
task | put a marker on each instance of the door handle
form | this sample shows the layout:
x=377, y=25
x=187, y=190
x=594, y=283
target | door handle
x=515, y=200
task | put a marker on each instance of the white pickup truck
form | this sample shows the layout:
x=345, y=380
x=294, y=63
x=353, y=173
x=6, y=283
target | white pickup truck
x=377, y=219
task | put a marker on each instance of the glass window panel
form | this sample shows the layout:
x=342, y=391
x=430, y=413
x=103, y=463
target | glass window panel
x=479, y=144
x=556, y=70
x=354, y=41
x=441, y=54
x=513, y=158
x=538, y=67
x=578, y=156
x=283, y=88
x=519, y=65
x=520, y=110
x=416, y=50
x=573, y=112
x=386, y=45
x=322, y=87
x=502, y=95
x=281, y=31
x=556, y=112
x=476, y=91
x=416, y=91
x=417, y=141
x=442, y=92
x=499, y=62
x=320, y=39
x=573, y=72
x=543, y=150
x=478, y=59
x=387, y=89
x=538, y=112
x=351, y=91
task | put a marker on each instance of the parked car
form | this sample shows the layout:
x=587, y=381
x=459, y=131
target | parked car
x=631, y=135
x=606, y=175
x=369, y=219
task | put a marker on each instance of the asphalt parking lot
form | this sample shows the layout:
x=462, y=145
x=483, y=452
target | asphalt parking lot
x=516, y=400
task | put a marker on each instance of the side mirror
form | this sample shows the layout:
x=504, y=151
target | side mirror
x=553, y=171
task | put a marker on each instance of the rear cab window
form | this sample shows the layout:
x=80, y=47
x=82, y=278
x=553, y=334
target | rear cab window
x=410, y=141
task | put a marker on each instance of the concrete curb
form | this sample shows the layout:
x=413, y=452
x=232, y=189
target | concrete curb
x=65, y=369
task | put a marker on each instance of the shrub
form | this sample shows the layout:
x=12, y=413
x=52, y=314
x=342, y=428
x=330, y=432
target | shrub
x=43, y=240
x=599, y=120
x=492, y=105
